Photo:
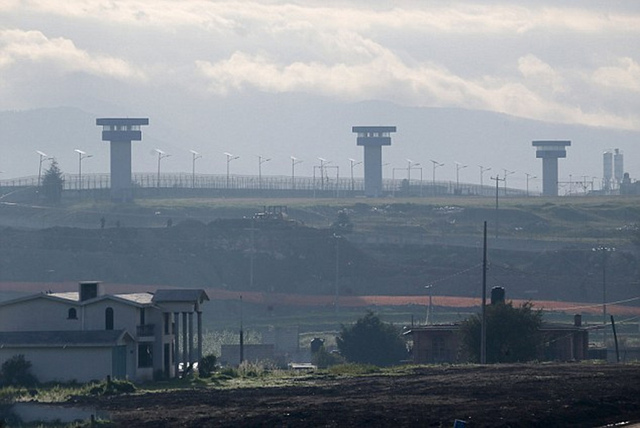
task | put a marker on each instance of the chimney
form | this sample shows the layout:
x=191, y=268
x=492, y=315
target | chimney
x=89, y=290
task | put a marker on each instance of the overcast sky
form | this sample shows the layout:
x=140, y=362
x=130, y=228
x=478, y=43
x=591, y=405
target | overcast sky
x=577, y=63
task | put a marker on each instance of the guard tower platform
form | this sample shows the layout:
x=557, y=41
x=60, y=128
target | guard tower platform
x=120, y=132
x=549, y=151
x=372, y=138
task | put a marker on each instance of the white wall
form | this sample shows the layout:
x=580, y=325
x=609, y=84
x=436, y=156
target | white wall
x=39, y=314
x=64, y=364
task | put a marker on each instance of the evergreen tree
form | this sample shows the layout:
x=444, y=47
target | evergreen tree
x=52, y=183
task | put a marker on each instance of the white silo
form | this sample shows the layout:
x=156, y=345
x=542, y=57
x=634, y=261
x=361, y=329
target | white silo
x=607, y=169
x=618, y=166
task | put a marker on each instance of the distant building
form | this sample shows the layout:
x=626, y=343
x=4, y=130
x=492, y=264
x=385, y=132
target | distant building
x=372, y=138
x=86, y=335
x=120, y=132
x=549, y=152
x=442, y=343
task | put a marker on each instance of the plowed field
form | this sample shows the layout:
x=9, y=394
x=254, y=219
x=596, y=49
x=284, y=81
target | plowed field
x=539, y=395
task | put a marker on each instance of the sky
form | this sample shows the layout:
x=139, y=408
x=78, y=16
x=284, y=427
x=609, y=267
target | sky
x=570, y=62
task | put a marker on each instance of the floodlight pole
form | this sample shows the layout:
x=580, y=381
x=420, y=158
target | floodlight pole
x=81, y=155
x=294, y=162
x=353, y=163
x=43, y=157
x=161, y=155
x=195, y=156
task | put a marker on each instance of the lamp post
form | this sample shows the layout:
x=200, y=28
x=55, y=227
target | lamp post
x=529, y=176
x=506, y=174
x=161, y=155
x=43, y=157
x=353, y=163
x=429, y=320
x=482, y=171
x=436, y=164
x=194, y=156
x=81, y=155
x=294, y=161
x=261, y=160
x=230, y=157
x=414, y=165
x=459, y=166
x=605, y=251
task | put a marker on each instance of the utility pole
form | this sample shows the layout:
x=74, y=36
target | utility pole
x=497, y=180
x=483, y=329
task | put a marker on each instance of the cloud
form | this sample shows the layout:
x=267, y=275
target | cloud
x=35, y=49
x=623, y=76
x=529, y=59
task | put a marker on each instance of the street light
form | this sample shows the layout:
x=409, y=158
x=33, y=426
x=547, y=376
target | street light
x=459, y=166
x=81, y=155
x=294, y=161
x=429, y=316
x=161, y=155
x=605, y=255
x=194, y=156
x=261, y=160
x=506, y=174
x=436, y=164
x=529, y=176
x=482, y=171
x=353, y=163
x=230, y=157
x=43, y=157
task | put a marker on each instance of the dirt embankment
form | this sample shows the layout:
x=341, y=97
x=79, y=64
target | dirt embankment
x=541, y=395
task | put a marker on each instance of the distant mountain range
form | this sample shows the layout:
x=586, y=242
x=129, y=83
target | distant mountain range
x=280, y=126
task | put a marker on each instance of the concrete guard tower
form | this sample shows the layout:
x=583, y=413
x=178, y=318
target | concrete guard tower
x=120, y=133
x=549, y=152
x=373, y=138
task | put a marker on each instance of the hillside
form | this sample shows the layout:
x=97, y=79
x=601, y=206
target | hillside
x=544, y=249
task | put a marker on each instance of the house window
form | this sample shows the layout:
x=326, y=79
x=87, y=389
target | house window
x=72, y=314
x=108, y=319
x=145, y=355
x=166, y=322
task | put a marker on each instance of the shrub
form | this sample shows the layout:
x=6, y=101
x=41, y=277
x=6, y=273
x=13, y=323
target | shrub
x=371, y=341
x=324, y=359
x=207, y=365
x=17, y=371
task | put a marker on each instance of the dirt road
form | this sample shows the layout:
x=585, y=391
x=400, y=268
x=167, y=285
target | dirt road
x=540, y=395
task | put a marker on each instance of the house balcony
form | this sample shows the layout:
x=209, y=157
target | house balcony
x=145, y=331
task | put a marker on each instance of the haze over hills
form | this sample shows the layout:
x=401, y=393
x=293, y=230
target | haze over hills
x=308, y=127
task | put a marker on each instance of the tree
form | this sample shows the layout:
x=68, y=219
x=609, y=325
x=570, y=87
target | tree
x=17, y=371
x=370, y=341
x=513, y=334
x=52, y=183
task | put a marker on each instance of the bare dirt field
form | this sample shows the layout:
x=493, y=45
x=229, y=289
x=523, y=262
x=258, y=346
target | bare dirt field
x=531, y=395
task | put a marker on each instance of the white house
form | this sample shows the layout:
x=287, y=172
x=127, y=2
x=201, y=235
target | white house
x=88, y=335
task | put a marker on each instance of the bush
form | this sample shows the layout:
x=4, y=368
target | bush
x=324, y=359
x=207, y=365
x=370, y=341
x=113, y=387
x=17, y=371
